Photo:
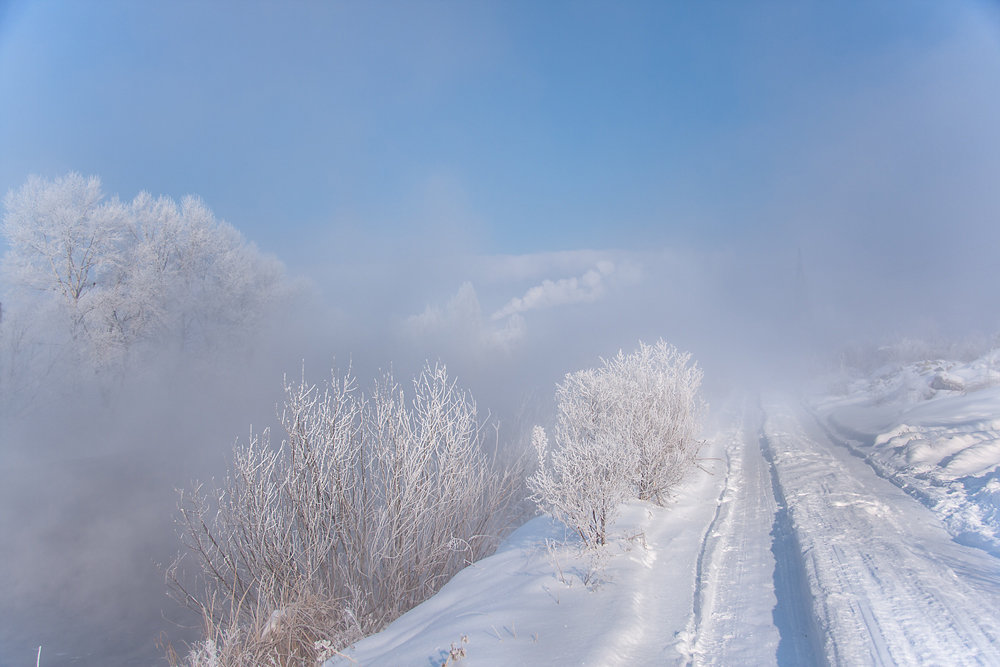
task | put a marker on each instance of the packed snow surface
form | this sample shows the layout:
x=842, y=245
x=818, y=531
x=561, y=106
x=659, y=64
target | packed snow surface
x=888, y=583
x=859, y=529
x=938, y=441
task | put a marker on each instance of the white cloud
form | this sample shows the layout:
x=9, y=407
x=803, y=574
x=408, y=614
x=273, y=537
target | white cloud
x=460, y=323
x=462, y=318
x=588, y=287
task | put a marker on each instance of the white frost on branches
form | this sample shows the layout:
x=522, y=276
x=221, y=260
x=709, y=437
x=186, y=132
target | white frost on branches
x=105, y=277
x=625, y=429
x=366, y=509
x=581, y=486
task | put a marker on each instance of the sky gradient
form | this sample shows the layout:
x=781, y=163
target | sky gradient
x=393, y=153
x=520, y=127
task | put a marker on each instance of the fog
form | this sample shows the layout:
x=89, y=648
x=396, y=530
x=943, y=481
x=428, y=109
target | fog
x=862, y=212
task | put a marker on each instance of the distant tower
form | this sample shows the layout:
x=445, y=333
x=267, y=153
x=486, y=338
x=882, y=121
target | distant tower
x=800, y=293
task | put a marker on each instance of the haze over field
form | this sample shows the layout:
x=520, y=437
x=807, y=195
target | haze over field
x=515, y=189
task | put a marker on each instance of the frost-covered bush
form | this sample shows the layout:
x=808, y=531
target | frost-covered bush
x=582, y=485
x=625, y=429
x=656, y=413
x=366, y=509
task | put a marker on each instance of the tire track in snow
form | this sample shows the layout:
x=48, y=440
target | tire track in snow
x=889, y=586
x=689, y=639
x=751, y=603
x=859, y=445
x=801, y=632
x=648, y=631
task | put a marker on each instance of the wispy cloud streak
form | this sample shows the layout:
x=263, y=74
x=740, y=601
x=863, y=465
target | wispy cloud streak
x=591, y=286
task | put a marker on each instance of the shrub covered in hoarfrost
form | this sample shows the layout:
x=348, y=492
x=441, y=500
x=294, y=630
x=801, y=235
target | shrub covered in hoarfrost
x=368, y=507
x=624, y=429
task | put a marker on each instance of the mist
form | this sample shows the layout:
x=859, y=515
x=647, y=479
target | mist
x=802, y=191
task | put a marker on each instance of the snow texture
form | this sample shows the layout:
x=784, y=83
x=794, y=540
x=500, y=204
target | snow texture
x=542, y=599
x=860, y=529
x=940, y=446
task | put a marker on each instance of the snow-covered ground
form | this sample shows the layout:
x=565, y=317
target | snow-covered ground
x=542, y=600
x=859, y=529
x=886, y=582
x=933, y=429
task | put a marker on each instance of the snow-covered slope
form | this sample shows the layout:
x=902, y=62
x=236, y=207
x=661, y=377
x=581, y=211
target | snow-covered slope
x=841, y=533
x=933, y=429
x=540, y=600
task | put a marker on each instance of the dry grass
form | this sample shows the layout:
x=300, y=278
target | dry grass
x=305, y=631
x=367, y=508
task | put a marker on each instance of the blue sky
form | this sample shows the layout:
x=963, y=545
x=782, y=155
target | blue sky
x=392, y=144
x=522, y=126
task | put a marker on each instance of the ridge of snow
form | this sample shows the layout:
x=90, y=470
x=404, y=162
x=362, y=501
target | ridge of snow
x=542, y=599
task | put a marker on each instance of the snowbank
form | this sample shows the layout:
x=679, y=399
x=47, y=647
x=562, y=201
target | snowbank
x=933, y=428
x=542, y=599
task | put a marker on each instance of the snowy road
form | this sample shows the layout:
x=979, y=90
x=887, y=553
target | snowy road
x=732, y=621
x=791, y=551
x=887, y=583
x=814, y=559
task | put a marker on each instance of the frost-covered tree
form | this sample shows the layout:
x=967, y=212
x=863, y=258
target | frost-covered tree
x=114, y=279
x=63, y=240
x=582, y=485
x=368, y=506
x=184, y=277
x=655, y=409
x=625, y=429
